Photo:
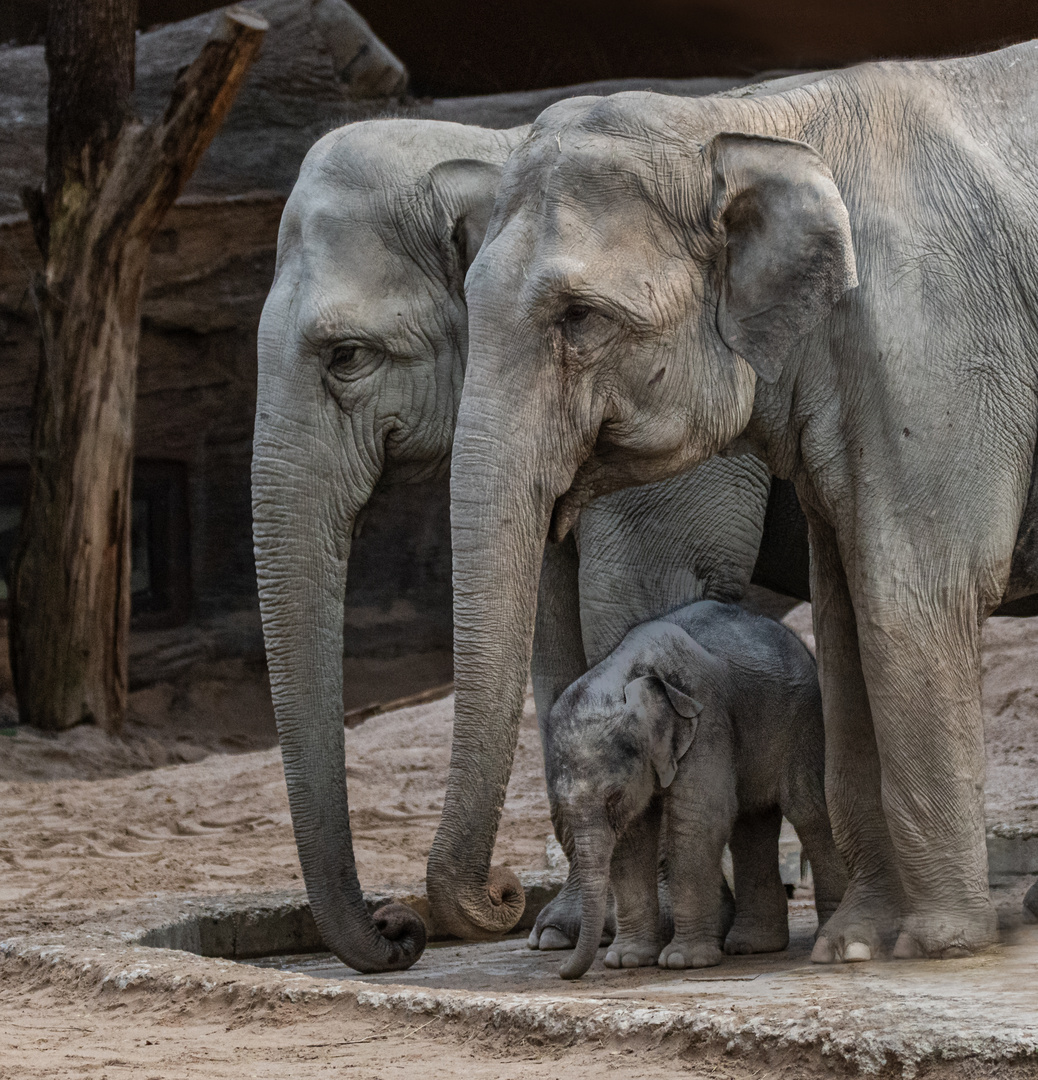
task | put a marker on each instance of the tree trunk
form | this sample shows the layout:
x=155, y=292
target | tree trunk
x=110, y=181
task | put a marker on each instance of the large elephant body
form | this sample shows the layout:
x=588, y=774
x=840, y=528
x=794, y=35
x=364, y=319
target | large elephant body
x=841, y=275
x=362, y=350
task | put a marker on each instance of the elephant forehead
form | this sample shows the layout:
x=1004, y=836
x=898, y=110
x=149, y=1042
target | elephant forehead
x=354, y=283
x=616, y=257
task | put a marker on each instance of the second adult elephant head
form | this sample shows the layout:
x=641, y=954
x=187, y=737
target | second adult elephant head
x=361, y=351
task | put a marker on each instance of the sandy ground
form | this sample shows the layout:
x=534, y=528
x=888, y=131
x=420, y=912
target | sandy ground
x=47, y=1033
x=191, y=800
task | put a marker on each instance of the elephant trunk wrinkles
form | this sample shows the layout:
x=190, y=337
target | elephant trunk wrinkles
x=499, y=522
x=302, y=529
x=593, y=850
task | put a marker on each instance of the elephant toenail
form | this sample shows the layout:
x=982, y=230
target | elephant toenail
x=857, y=952
x=907, y=948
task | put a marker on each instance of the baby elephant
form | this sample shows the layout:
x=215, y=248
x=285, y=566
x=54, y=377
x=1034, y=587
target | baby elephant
x=715, y=716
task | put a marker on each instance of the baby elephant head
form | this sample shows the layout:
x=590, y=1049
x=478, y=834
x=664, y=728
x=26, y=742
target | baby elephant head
x=611, y=735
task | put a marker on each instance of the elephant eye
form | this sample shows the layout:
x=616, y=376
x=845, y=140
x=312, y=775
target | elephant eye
x=342, y=358
x=351, y=362
x=575, y=314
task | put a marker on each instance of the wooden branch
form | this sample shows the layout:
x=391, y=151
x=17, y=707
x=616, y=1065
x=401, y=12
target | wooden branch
x=164, y=155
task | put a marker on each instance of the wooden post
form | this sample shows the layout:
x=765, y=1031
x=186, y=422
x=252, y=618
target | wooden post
x=110, y=180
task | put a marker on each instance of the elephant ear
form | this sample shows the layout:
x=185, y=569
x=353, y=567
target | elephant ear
x=463, y=193
x=787, y=256
x=671, y=718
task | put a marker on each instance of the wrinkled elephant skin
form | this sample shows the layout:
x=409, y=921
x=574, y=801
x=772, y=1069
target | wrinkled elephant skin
x=841, y=273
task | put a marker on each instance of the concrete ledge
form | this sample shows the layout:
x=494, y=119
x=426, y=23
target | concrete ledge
x=281, y=924
x=889, y=1018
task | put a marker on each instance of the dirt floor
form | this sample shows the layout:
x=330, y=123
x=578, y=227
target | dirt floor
x=191, y=800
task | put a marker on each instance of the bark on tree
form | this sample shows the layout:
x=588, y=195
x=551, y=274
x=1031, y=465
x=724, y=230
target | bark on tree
x=110, y=180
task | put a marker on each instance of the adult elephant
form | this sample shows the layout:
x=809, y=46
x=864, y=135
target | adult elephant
x=844, y=274
x=362, y=348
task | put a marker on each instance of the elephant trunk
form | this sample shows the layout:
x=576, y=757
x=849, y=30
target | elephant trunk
x=593, y=849
x=499, y=522
x=303, y=523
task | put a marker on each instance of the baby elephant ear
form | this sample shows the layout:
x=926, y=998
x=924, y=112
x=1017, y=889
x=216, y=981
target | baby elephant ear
x=465, y=189
x=787, y=255
x=670, y=729
x=683, y=704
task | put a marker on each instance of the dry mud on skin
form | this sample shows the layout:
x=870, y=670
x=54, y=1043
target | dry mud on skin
x=71, y=848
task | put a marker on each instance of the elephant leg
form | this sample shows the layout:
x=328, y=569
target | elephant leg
x=921, y=659
x=666, y=908
x=633, y=874
x=558, y=660
x=701, y=812
x=871, y=907
x=761, y=907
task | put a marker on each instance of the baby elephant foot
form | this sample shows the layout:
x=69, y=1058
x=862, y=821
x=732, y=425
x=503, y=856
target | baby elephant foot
x=632, y=953
x=748, y=937
x=691, y=954
x=946, y=937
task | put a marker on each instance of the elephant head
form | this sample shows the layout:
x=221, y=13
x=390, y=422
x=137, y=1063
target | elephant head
x=645, y=266
x=614, y=734
x=361, y=351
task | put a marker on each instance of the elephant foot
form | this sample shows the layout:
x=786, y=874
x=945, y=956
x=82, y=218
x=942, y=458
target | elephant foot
x=550, y=938
x=756, y=936
x=632, y=953
x=690, y=954
x=946, y=937
x=856, y=930
x=558, y=924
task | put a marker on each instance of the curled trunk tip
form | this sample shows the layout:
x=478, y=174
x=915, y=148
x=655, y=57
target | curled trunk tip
x=405, y=929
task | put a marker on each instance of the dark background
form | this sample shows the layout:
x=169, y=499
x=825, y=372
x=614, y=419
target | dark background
x=484, y=46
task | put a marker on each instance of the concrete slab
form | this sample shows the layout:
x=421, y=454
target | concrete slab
x=875, y=1014
x=884, y=1017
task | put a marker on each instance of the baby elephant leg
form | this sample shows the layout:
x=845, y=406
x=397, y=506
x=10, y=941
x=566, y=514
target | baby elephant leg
x=761, y=908
x=633, y=875
x=698, y=830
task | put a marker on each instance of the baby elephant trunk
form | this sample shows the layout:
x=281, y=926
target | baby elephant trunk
x=593, y=851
